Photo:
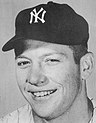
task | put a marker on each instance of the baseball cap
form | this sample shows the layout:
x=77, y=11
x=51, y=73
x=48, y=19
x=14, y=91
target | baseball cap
x=51, y=22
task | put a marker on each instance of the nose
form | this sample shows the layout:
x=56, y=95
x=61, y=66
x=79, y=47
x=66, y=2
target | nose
x=37, y=77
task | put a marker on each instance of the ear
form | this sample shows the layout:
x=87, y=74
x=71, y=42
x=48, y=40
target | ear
x=86, y=65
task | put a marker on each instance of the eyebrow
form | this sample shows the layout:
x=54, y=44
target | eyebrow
x=22, y=56
x=47, y=54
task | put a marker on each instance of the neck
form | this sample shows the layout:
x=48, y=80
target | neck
x=79, y=112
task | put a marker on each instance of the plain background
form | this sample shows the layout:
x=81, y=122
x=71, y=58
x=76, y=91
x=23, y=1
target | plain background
x=10, y=96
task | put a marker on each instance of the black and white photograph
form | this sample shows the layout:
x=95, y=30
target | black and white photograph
x=47, y=61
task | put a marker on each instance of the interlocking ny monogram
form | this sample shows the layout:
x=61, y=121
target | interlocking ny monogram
x=36, y=15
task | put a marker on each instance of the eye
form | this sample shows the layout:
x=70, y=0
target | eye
x=23, y=63
x=52, y=61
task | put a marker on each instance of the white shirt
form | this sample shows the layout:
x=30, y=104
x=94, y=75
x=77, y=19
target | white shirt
x=24, y=115
x=93, y=120
x=21, y=115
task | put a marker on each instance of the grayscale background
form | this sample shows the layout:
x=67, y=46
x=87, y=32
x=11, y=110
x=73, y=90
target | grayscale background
x=10, y=96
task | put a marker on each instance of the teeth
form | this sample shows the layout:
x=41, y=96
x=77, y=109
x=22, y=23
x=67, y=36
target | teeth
x=41, y=94
x=45, y=93
x=49, y=92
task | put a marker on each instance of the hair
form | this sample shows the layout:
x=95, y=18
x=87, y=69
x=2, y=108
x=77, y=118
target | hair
x=19, y=48
x=78, y=52
x=23, y=45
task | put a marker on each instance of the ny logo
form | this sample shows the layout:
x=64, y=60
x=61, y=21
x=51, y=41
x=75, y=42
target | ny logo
x=36, y=15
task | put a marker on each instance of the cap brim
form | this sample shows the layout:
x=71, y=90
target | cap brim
x=11, y=43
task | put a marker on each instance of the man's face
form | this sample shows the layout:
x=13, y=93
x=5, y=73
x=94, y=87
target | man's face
x=48, y=78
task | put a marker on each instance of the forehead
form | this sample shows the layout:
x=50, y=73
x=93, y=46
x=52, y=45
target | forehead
x=32, y=45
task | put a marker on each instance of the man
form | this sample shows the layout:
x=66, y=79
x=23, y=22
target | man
x=52, y=65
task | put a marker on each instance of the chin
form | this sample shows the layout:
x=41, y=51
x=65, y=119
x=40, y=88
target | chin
x=44, y=114
x=48, y=114
x=48, y=108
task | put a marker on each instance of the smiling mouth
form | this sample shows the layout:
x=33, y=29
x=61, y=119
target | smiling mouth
x=42, y=93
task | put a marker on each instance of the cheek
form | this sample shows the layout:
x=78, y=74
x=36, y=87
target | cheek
x=58, y=73
x=67, y=76
x=21, y=76
x=73, y=84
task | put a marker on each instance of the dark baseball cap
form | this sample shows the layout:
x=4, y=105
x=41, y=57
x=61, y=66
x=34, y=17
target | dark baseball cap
x=51, y=22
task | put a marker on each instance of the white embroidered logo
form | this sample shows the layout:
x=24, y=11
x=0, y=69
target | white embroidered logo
x=36, y=15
